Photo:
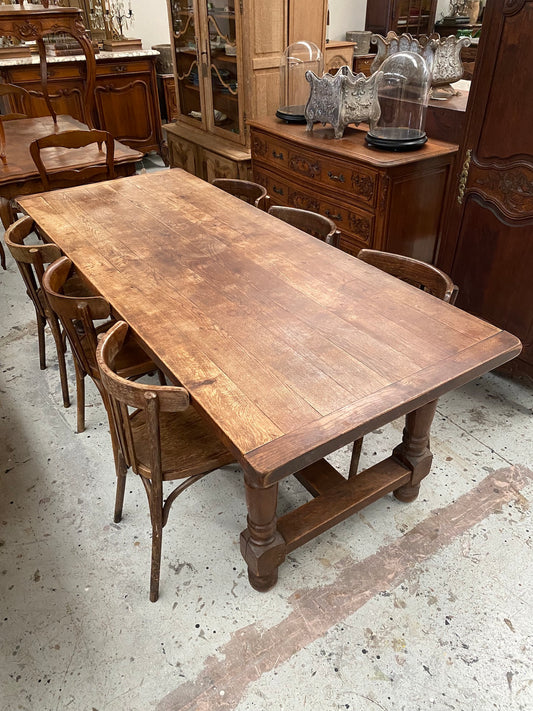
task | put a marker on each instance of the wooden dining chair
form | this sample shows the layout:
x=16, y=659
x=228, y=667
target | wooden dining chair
x=57, y=176
x=31, y=260
x=17, y=96
x=311, y=222
x=77, y=315
x=252, y=193
x=162, y=439
x=418, y=274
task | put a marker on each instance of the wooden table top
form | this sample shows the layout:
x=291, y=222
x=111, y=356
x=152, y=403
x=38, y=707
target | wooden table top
x=291, y=347
x=20, y=167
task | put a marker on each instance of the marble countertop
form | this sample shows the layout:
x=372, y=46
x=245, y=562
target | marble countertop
x=34, y=59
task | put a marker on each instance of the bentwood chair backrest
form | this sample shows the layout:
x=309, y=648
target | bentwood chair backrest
x=77, y=315
x=311, y=222
x=413, y=271
x=31, y=260
x=252, y=193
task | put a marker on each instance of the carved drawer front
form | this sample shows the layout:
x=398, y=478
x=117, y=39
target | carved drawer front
x=336, y=175
x=356, y=223
x=269, y=150
x=122, y=67
x=24, y=74
x=350, y=244
x=277, y=188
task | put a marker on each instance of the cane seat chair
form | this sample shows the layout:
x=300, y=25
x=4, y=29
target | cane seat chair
x=77, y=316
x=103, y=167
x=31, y=260
x=418, y=274
x=311, y=222
x=252, y=193
x=158, y=435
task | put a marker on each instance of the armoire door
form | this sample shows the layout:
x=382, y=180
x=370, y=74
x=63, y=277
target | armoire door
x=488, y=242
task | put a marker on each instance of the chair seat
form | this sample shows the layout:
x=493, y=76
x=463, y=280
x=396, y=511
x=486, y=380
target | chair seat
x=131, y=361
x=187, y=445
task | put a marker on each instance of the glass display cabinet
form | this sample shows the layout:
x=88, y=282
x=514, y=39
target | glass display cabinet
x=413, y=16
x=206, y=39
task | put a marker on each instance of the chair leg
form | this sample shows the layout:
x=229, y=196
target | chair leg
x=356, y=453
x=6, y=213
x=161, y=376
x=41, y=322
x=2, y=257
x=60, y=348
x=156, y=514
x=121, y=470
x=80, y=398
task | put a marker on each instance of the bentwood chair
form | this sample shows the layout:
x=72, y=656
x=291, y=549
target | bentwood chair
x=158, y=435
x=418, y=274
x=30, y=259
x=252, y=193
x=311, y=222
x=77, y=316
x=103, y=167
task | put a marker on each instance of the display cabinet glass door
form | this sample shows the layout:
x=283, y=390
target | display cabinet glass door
x=223, y=61
x=207, y=46
x=187, y=65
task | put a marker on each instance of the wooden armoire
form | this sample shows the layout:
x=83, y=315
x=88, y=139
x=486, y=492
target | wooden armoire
x=487, y=246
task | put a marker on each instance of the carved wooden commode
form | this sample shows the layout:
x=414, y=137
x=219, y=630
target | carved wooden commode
x=388, y=201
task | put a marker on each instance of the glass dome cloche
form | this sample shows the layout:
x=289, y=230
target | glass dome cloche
x=403, y=96
x=294, y=88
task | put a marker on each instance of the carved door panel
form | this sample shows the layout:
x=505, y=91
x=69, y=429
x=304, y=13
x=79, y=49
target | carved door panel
x=216, y=166
x=182, y=154
x=488, y=246
x=124, y=107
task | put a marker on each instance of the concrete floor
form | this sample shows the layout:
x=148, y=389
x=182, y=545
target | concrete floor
x=405, y=607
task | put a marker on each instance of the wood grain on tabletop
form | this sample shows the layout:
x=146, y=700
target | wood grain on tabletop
x=307, y=345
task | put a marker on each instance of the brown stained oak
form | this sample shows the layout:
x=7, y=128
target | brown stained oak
x=31, y=260
x=102, y=169
x=246, y=190
x=418, y=274
x=161, y=439
x=77, y=314
x=289, y=348
x=311, y=222
x=21, y=177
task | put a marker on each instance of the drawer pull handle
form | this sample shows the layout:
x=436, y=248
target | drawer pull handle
x=278, y=156
x=337, y=178
x=278, y=191
x=120, y=68
x=337, y=217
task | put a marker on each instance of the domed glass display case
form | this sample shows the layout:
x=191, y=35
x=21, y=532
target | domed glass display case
x=294, y=88
x=403, y=97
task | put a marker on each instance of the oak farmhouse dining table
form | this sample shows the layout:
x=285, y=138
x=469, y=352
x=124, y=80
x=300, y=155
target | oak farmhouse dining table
x=289, y=347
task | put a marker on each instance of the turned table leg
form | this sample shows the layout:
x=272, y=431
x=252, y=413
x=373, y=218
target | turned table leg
x=414, y=450
x=262, y=546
